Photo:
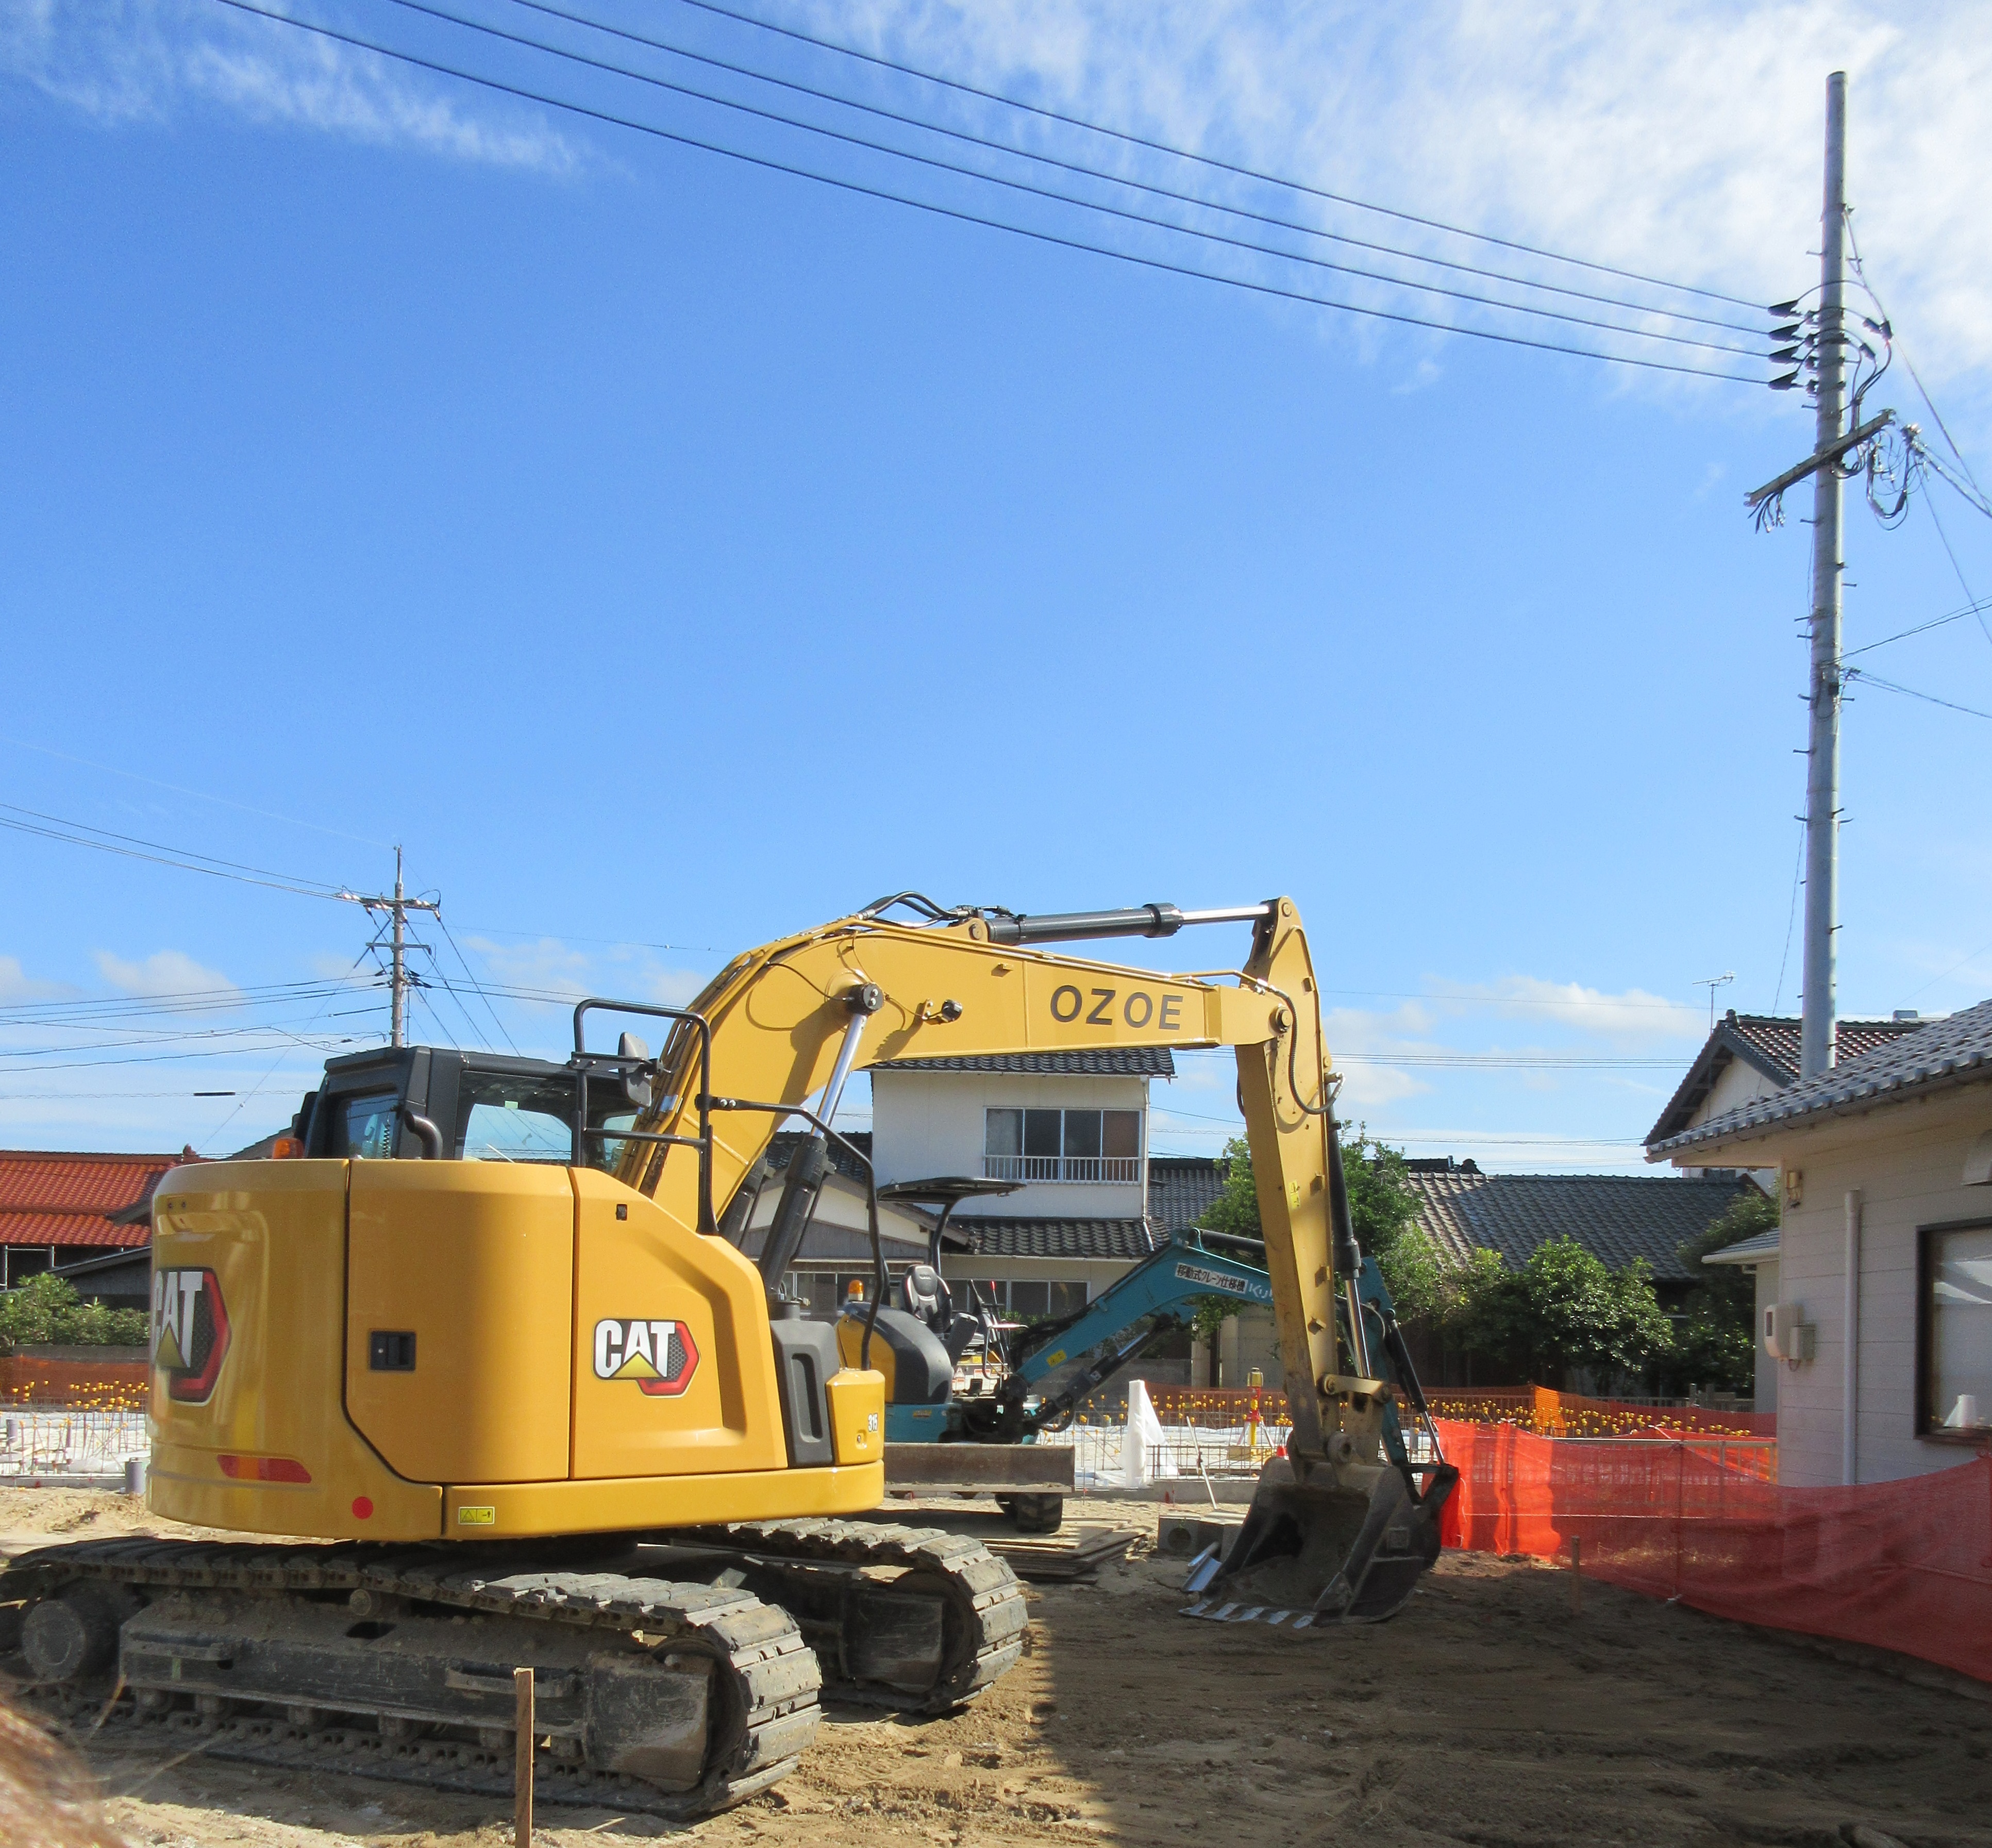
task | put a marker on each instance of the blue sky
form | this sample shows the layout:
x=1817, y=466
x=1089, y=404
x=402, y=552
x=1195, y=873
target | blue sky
x=670, y=554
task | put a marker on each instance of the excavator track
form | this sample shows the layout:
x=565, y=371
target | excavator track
x=927, y=1641
x=675, y=1699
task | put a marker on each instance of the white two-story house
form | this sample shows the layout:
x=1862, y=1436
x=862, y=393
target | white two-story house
x=1071, y=1129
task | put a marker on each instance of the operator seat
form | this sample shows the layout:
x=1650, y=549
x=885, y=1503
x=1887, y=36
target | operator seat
x=928, y=1296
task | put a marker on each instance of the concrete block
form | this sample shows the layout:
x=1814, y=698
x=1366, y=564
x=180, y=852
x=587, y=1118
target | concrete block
x=1181, y=1536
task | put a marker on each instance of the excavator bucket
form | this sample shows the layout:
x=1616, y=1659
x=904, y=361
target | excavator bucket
x=1345, y=1545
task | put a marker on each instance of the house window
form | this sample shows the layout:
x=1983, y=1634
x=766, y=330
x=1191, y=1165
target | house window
x=1955, y=1360
x=1083, y=1146
x=1030, y=1301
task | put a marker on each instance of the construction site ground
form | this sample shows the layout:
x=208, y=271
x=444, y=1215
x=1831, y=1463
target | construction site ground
x=1487, y=1713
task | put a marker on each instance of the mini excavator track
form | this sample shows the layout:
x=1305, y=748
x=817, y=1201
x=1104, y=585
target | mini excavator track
x=678, y=1699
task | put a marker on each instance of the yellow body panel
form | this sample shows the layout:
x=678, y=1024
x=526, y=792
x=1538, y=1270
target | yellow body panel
x=619, y=1503
x=649, y=1268
x=475, y=1259
x=857, y=1416
x=273, y=1233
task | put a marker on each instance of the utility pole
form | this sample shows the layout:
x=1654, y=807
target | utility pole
x=1822, y=910
x=397, y=908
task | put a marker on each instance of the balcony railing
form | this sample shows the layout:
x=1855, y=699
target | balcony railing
x=1120, y=1170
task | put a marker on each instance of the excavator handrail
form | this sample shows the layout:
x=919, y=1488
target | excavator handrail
x=708, y=1223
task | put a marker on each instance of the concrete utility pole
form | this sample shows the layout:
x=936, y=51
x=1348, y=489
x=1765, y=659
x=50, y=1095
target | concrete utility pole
x=398, y=1016
x=1822, y=911
x=397, y=908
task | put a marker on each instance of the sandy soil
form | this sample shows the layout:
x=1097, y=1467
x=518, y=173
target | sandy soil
x=1486, y=1714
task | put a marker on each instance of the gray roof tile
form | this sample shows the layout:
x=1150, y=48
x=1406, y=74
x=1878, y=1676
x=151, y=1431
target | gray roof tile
x=1767, y=1044
x=1616, y=1217
x=1181, y=1187
x=1106, y=1062
x=1935, y=1056
x=1034, y=1237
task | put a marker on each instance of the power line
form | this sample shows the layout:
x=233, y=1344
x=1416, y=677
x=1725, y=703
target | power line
x=180, y=789
x=472, y=979
x=1935, y=622
x=1208, y=160
x=963, y=216
x=58, y=828
x=625, y=943
x=1039, y=192
x=1875, y=680
x=1012, y=151
x=1505, y=1062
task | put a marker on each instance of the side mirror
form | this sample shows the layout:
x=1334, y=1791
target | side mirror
x=637, y=1071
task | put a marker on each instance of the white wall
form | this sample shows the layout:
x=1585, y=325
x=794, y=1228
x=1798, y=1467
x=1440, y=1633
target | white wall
x=1908, y=1161
x=928, y=1123
x=1740, y=1084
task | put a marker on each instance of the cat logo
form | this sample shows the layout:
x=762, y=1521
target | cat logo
x=190, y=1332
x=660, y=1356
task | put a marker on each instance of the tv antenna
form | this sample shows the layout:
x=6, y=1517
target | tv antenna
x=1712, y=983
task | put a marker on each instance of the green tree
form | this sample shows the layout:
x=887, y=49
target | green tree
x=1382, y=1204
x=1716, y=1344
x=1565, y=1308
x=1382, y=1207
x=45, y=1308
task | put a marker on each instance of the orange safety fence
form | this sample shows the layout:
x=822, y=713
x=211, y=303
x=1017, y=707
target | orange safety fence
x=1218, y=1406
x=81, y=1385
x=1905, y=1564
x=1552, y=1414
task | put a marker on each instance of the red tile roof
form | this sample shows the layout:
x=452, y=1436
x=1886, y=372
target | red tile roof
x=63, y=1199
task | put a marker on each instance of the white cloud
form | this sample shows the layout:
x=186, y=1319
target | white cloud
x=147, y=59
x=1633, y=1016
x=565, y=975
x=164, y=972
x=1681, y=138
x=17, y=985
x=547, y=965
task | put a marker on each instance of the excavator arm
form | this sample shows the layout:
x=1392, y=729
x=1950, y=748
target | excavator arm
x=787, y=1023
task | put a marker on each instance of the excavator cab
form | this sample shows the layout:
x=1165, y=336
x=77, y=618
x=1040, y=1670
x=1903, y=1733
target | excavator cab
x=415, y=1102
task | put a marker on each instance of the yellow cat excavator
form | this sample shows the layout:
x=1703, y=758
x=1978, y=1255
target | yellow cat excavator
x=478, y=1342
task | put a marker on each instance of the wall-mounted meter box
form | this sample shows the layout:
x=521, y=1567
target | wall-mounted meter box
x=1788, y=1336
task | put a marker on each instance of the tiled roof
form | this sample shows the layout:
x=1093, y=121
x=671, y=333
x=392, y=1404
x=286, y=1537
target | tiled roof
x=1181, y=1186
x=75, y=1199
x=1616, y=1217
x=1936, y=1056
x=1020, y=1238
x=1767, y=1044
x=1107, y=1062
x=1747, y=1250
x=782, y=1145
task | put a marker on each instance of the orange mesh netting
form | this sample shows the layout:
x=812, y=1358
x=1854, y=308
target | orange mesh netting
x=92, y=1386
x=1905, y=1564
x=1552, y=1414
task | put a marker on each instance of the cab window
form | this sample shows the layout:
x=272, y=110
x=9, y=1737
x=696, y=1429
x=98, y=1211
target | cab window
x=513, y=1118
x=365, y=1128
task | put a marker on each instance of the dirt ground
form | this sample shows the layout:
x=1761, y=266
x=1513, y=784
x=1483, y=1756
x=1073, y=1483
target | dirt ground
x=1485, y=1714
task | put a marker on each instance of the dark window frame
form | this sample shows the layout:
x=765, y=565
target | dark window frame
x=1927, y=1426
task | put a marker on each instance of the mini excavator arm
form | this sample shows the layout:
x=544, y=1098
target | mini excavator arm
x=783, y=1022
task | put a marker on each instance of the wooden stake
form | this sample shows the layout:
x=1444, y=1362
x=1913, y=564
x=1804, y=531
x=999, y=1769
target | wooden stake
x=522, y=1762
x=1576, y=1575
